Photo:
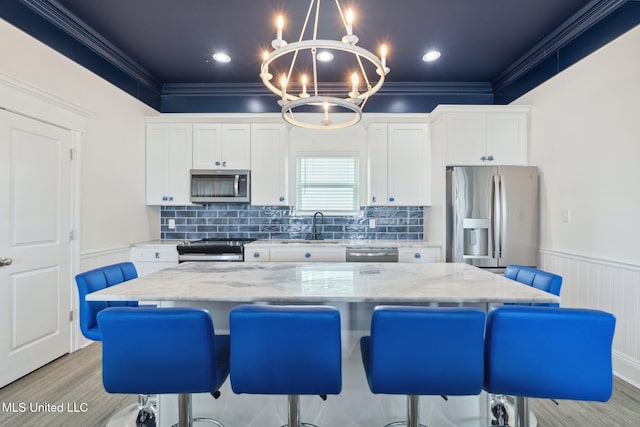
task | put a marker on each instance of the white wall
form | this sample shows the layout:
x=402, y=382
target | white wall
x=113, y=213
x=585, y=137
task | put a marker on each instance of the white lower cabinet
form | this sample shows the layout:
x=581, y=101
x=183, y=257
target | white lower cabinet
x=260, y=254
x=419, y=255
x=308, y=253
x=151, y=258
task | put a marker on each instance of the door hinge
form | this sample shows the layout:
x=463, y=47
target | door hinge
x=71, y=155
x=71, y=236
x=71, y=316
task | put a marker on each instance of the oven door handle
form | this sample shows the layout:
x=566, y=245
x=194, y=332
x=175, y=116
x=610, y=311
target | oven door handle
x=236, y=186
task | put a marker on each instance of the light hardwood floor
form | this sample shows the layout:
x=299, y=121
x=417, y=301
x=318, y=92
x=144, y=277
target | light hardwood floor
x=74, y=381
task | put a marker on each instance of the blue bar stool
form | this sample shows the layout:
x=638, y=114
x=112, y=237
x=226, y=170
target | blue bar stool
x=539, y=279
x=151, y=350
x=424, y=351
x=548, y=352
x=95, y=280
x=288, y=350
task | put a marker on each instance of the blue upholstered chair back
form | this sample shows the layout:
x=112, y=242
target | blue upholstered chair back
x=425, y=351
x=539, y=279
x=95, y=280
x=289, y=350
x=149, y=350
x=548, y=352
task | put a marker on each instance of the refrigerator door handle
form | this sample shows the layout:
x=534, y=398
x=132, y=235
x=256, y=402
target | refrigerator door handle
x=497, y=217
x=503, y=214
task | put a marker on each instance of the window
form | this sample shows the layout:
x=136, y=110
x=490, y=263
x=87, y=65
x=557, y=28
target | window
x=328, y=183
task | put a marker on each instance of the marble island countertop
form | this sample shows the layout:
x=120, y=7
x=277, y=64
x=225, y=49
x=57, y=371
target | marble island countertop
x=324, y=282
x=361, y=243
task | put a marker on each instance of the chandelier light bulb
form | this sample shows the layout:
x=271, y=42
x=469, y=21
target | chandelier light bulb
x=383, y=55
x=326, y=121
x=283, y=85
x=279, y=25
x=354, y=85
x=304, y=93
x=349, y=22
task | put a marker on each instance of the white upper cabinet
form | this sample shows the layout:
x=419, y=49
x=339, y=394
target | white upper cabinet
x=269, y=155
x=399, y=165
x=220, y=146
x=377, y=167
x=485, y=136
x=169, y=151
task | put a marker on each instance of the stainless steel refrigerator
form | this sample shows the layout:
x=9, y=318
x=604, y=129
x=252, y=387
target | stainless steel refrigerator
x=492, y=216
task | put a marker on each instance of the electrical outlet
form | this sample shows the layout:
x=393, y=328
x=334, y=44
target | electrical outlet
x=372, y=223
x=172, y=224
x=566, y=215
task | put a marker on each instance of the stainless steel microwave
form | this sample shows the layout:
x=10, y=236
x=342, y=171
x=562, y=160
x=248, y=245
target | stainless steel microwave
x=224, y=185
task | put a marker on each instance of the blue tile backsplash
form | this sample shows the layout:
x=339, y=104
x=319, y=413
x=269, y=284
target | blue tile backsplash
x=279, y=222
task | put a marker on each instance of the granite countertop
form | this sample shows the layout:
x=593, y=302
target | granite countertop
x=324, y=282
x=361, y=243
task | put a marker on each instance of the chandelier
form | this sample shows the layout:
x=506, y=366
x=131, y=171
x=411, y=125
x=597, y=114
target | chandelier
x=298, y=93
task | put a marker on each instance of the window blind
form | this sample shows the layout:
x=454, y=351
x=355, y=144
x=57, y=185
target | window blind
x=328, y=183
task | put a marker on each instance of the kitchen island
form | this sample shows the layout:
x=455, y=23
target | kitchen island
x=355, y=288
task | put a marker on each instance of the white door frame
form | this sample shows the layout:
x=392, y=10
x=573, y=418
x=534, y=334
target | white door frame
x=22, y=98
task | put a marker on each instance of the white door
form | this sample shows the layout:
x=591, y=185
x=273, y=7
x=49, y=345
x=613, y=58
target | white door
x=35, y=222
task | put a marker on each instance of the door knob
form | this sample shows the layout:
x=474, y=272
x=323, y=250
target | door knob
x=5, y=261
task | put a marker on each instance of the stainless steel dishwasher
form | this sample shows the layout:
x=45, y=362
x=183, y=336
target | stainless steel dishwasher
x=372, y=254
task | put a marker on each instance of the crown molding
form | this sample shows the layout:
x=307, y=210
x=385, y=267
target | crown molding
x=389, y=89
x=62, y=18
x=579, y=23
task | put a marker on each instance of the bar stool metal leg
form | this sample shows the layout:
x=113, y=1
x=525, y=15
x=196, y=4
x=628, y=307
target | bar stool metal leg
x=185, y=417
x=522, y=412
x=294, y=411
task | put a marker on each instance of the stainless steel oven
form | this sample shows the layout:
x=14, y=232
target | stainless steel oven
x=213, y=250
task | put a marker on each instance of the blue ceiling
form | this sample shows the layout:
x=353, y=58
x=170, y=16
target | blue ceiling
x=159, y=51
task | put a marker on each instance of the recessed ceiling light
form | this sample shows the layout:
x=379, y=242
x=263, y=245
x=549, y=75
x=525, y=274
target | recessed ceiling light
x=324, y=56
x=221, y=57
x=431, y=56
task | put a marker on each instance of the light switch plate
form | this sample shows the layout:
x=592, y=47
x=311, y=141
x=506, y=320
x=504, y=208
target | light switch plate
x=566, y=215
x=172, y=224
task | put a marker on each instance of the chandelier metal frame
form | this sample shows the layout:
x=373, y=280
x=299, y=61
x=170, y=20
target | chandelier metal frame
x=355, y=100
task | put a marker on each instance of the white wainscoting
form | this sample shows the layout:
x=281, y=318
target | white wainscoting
x=605, y=285
x=95, y=259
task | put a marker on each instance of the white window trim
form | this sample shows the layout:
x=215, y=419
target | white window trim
x=344, y=154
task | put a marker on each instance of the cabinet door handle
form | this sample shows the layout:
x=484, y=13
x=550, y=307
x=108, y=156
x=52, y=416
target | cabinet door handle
x=373, y=199
x=490, y=157
x=417, y=255
x=224, y=164
x=392, y=199
x=217, y=163
x=171, y=198
x=5, y=261
x=256, y=254
x=483, y=158
x=157, y=255
x=165, y=198
x=307, y=255
x=282, y=198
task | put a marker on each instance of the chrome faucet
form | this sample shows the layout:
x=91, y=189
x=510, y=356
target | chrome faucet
x=314, y=229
